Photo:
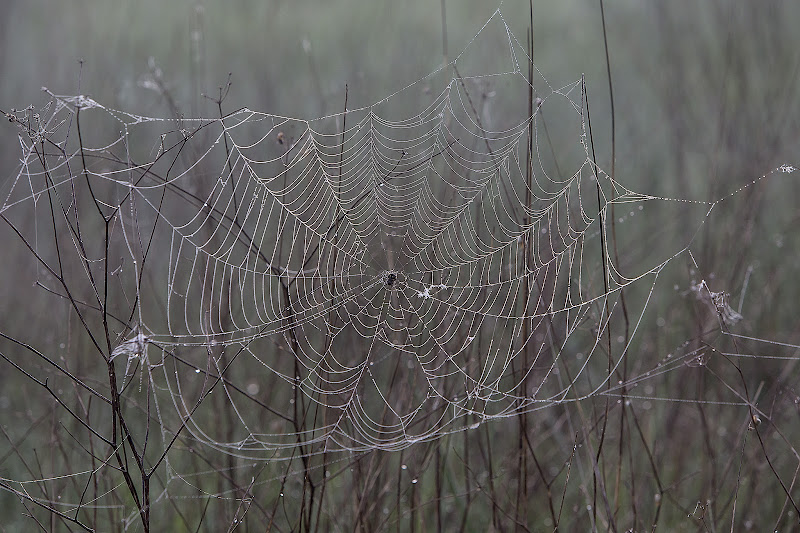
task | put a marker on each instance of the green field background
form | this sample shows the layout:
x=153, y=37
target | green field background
x=706, y=104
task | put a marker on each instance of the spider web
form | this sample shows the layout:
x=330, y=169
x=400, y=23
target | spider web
x=414, y=267
x=358, y=281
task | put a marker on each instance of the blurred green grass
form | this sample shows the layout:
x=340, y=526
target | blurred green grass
x=705, y=102
x=700, y=88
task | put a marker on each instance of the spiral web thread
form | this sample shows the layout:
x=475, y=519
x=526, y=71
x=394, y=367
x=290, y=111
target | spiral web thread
x=360, y=282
